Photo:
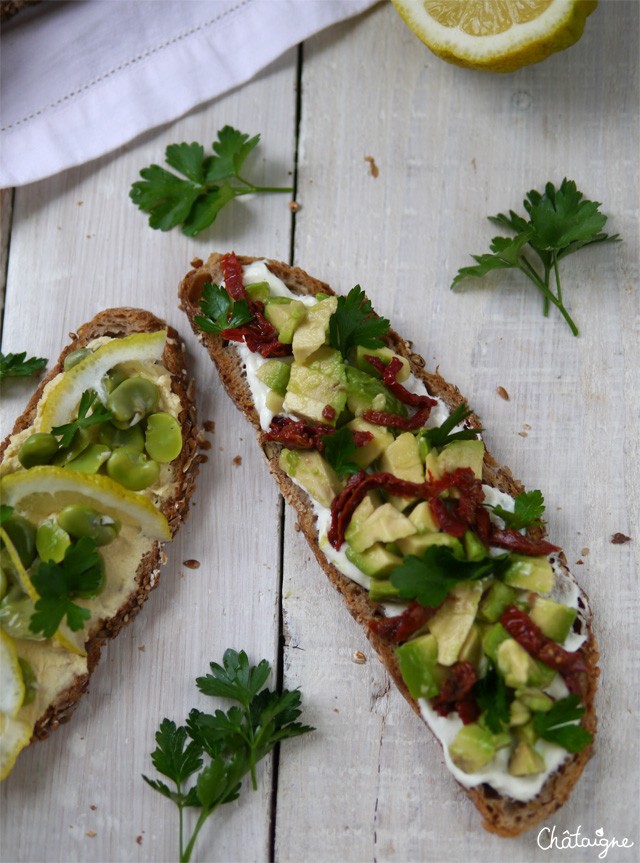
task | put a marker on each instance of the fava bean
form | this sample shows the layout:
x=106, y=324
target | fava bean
x=38, y=448
x=52, y=540
x=30, y=681
x=22, y=534
x=15, y=613
x=113, y=378
x=80, y=441
x=79, y=520
x=91, y=459
x=163, y=437
x=132, y=469
x=72, y=359
x=114, y=437
x=132, y=400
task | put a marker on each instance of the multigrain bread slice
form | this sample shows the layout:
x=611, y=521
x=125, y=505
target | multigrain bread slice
x=115, y=323
x=501, y=815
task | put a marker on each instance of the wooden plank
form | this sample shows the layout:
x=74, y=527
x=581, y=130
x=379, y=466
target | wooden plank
x=78, y=246
x=451, y=147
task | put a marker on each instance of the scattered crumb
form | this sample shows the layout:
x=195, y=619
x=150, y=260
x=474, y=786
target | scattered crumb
x=93, y=807
x=620, y=538
x=91, y=834
x=579, y=562
x=503, y=393
x=358, y=657
x=526, y=426
x=373, y=168
x=585, y=552
x=139, y=840
x=141, y=648
x=79, y=203
x=523, y=434
x=191, y=564
x=209, y=426
x=294, y=206
x=474, y=164
x=237, y=459
x=205, y=444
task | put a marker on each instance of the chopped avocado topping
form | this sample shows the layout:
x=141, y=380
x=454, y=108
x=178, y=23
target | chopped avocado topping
x=472, y=748
x=529, y=573
x=418, y=661
x=555, y=620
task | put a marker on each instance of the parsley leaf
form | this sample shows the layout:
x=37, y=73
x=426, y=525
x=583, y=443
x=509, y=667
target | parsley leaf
x=339, y=449
x=558, y=724
x=79, y=573
x=85, y=419
x=5, y=512
x=208, y=182
x=430, y=578
x=220, y=311
x=223, y=747
x=443, y=434
x=355, y=323
x=491, y=695
x=528, y=509
x=561, y=221
x=18, y=366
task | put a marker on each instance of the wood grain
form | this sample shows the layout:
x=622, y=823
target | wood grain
x=450, y=147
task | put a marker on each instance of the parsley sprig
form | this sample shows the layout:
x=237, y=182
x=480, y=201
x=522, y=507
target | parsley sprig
x=18, y=366
x=99, y=414
x=527, y=511
x=493, y=699
x=78, y=574
x=561, y=221
x=443, y=434
x=208, y=182
x=339, y=449
x=231, y=743
x=558, y=725
x=220, y=312
x=355, y=323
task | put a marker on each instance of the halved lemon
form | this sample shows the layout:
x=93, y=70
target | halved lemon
x=62, y=399
x=14, y=736
x=496, y=35
x=11, y=680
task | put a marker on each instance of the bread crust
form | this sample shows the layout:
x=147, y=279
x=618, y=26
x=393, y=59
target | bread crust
x=118, y=322
x=501, y=815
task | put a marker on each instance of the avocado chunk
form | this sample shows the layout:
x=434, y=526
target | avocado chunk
x=495, y=601
x=313, y=473
x=317, y=385
x=365, y=392
x=418, y=661
x=384, y=354
x=471, y=650
x=361, y=513
x=554, y=619
x=420, y=542
x=385, y=524
x=312, y=332
x=519, y=714
x=376, y=561
x=382, y=437
x=529, y=573
x=525, y=761
x=492, y=639
x=259, y=291
x=286, y=316
x=535, y=699
x=382, y=590
x=423, y=519
x=459, y=453
x=453, y=620
x=474, y=548
x=275, y=374
x=472, y=748
x=514, y=663
x=402, y=459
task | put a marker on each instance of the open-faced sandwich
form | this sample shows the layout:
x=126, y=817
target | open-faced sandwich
x=94, y=478
x=439, y=553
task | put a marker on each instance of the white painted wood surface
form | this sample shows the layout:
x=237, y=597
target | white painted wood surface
x=451, y=147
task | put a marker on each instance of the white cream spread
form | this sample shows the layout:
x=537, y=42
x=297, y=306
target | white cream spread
x=566, y=591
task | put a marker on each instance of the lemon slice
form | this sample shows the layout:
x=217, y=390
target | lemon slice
x=496, y=35
x=14, y=736
x=11, y=680
x=62, y=399
x=46, y=489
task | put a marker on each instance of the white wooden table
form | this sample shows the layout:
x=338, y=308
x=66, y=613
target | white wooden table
x=451, y=147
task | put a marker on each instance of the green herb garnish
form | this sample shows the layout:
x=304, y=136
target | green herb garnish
x=527, y=512
x=430, y=578
x=491, y=695
x=18, y=366
x=355, y=323
x=207, y=184
x=443, y=434
x=220, y=311
x=233, y=742
x=561, y=221
x=79, y=573
x=6, y=512
x=339, y=449
x=99, y=414
x=558, y=724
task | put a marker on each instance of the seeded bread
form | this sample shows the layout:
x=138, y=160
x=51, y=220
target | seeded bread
x=501, y=815
x=121, y=322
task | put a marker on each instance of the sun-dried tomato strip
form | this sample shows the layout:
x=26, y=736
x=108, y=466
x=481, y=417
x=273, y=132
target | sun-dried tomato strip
x=233, y=278
x=571, y=666
x=301, y=435
x=381, y=418
x=345, y=504
x=513, y=540
x=389, y=374
x=455, y=693
x=402, y=626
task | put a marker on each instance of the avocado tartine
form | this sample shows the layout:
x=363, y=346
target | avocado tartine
x=96, y=475
x=439, y=553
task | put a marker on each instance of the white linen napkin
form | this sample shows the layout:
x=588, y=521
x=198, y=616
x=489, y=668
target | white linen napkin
x=79, y=79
